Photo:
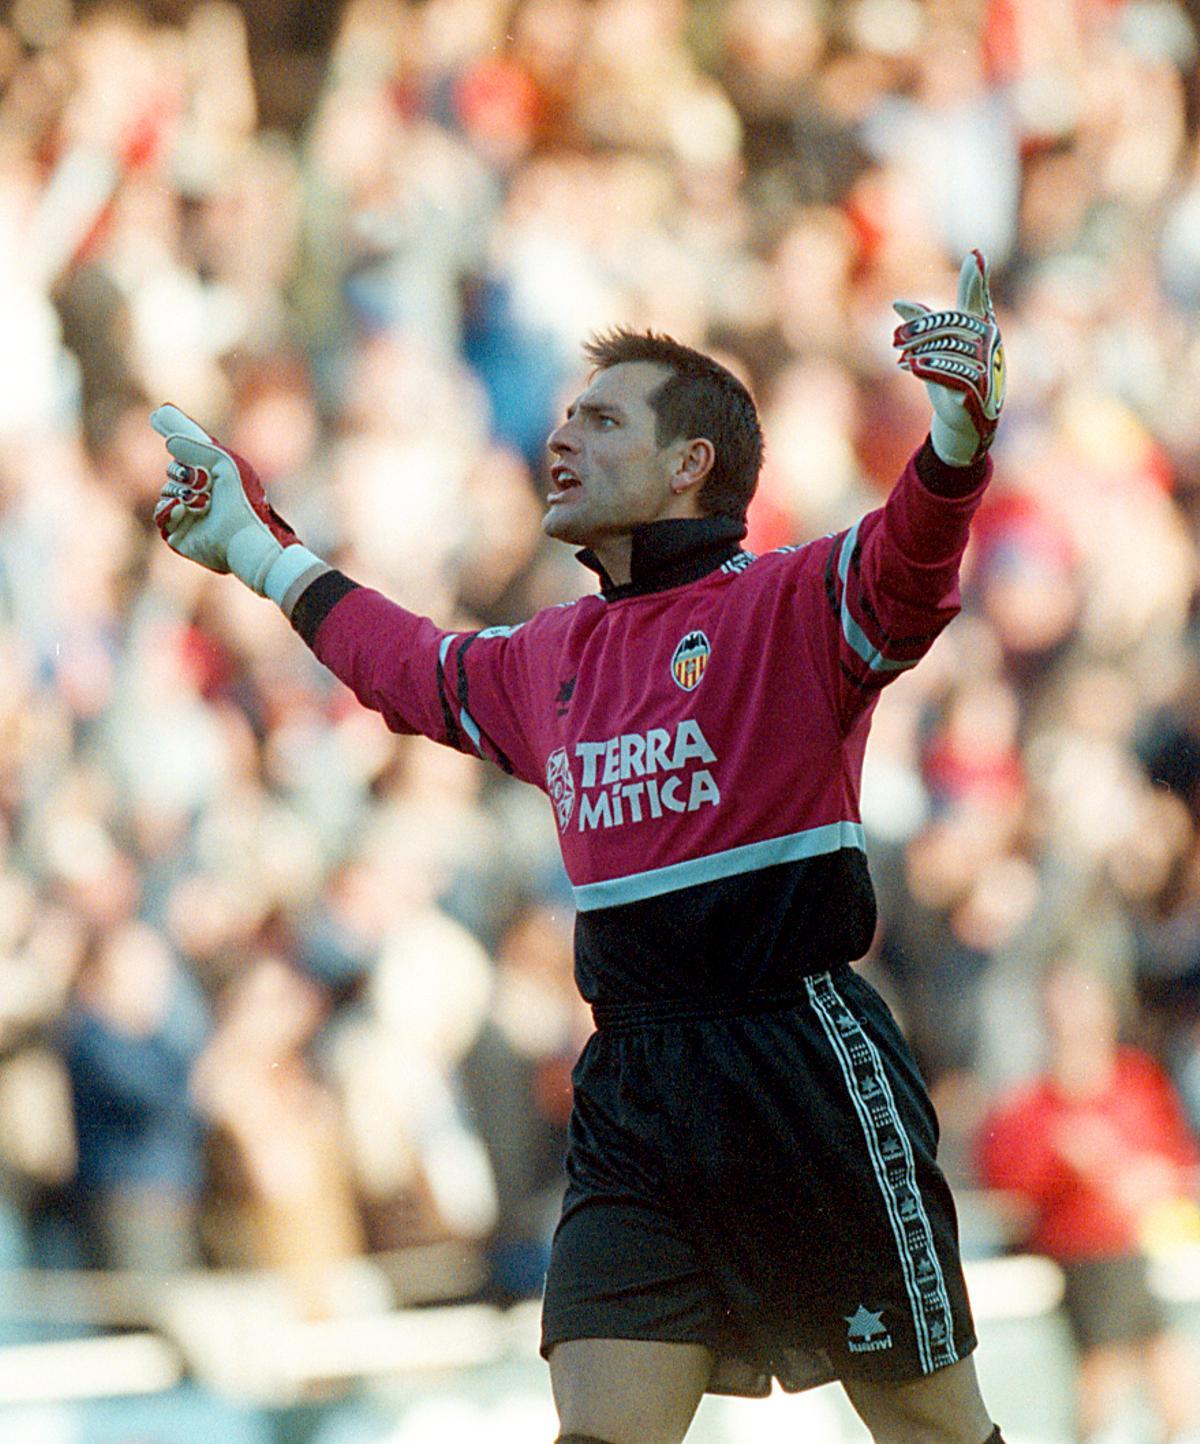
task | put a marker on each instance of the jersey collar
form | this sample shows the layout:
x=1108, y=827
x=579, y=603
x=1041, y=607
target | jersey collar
x=669, y=553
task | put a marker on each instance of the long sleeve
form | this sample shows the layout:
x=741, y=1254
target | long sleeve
x=892, y=580
x=467, y=690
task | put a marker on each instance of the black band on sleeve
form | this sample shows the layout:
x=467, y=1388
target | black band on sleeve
x=464, y=704
x=317, y=600
x=948, y=481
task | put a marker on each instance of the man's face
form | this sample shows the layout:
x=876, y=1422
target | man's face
x=607, y=473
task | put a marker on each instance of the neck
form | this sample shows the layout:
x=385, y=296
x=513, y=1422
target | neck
x=615, y=555
x=663, y=553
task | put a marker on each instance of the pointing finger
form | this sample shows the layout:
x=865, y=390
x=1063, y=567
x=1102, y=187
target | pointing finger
x=168, y=420
x=192, y=451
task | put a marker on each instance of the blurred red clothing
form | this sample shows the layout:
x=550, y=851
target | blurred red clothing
x=1037, y=1142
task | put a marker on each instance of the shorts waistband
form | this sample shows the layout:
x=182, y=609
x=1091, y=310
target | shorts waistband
x=623, y=1017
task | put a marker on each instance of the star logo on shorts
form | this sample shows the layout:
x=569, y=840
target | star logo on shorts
x=867, y=1333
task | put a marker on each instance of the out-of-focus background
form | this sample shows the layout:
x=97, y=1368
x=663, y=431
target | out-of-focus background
x=286, y=1011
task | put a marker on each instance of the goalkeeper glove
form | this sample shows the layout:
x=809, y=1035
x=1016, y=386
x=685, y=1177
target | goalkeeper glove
x=960, y=357
x=213, y=511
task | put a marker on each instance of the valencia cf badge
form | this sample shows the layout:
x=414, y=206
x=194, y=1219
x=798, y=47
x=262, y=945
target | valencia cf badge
x=690, y=659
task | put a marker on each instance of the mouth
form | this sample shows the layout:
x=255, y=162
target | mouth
x=562, y=481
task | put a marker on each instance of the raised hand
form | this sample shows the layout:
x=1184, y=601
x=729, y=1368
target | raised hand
x=959, y=355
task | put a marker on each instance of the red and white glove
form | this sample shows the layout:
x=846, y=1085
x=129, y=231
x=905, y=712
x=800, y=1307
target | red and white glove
x=213, y=510
x=960, y=357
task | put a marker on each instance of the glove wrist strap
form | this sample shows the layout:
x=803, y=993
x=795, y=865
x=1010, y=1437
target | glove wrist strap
x=954, y=447
x=292, y=571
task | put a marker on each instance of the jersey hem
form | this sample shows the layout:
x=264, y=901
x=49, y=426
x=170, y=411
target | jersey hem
x=712, y=867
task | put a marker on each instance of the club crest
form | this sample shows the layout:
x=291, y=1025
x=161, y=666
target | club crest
x=690, y=659
x=561, y=786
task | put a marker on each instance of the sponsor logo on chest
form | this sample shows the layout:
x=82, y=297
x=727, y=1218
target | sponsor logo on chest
x=633, y=777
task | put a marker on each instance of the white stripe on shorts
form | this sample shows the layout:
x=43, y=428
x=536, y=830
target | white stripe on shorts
x=895, y=1171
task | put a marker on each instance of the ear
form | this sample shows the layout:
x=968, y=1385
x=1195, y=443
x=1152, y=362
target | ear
x=693, y=466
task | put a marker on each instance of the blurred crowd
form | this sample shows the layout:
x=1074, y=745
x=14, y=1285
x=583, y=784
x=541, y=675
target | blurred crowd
x=278, y=989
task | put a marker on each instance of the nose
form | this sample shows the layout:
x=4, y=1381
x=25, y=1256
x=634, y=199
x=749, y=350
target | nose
x=562, y=438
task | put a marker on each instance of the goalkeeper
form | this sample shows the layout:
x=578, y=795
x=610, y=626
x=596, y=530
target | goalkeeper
x=752, y=1185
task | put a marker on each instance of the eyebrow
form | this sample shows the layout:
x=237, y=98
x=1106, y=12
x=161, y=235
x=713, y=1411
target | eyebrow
x=592, y=408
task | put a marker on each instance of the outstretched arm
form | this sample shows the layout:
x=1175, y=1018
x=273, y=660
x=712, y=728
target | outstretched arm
x=213, y=511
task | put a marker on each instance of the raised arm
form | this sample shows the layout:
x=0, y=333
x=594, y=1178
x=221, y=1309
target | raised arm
x=893, y=579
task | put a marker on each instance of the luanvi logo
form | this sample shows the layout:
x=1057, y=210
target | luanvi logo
x=866, y=1333
x=565, y=693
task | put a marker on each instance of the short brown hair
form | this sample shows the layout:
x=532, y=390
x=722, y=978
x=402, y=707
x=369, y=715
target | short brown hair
x=700, y=398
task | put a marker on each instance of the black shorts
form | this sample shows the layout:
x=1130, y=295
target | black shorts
x=1108, y=1301
x=763, y=1182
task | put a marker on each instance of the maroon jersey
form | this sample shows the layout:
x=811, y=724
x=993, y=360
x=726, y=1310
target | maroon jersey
x=699, y=732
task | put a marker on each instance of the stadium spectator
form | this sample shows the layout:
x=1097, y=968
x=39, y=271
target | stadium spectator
x=281, y=1192
x=517, y=1081
x=1099, y=1160
x=131, y=1035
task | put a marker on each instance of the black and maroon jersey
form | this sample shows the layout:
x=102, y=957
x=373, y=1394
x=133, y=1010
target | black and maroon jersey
x=699, y=732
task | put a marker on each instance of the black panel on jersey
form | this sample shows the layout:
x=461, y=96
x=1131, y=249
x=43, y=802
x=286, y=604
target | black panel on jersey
x=762, y=930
